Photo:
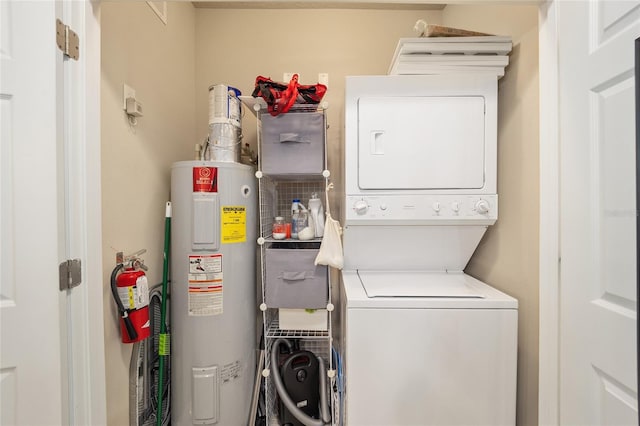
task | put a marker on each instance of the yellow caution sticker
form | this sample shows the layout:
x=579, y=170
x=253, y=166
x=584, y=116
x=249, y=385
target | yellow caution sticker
x=163, y=344
x=132, y=298
x=234, y=224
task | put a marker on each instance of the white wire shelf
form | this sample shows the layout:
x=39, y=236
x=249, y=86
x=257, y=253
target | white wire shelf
x=292, y=240
x=275, y=332
x=276, y=193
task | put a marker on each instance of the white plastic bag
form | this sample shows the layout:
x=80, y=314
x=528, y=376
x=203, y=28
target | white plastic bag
x=331, y=247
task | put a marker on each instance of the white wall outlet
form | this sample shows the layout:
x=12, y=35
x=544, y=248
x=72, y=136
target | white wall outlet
x=323, y=78
x=127, y=92
x=286, y=77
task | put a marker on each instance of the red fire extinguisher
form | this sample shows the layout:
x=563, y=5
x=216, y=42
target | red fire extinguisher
x=130, y=290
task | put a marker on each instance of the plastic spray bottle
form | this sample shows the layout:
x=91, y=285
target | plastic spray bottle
x=316, y=213
x=295, y=215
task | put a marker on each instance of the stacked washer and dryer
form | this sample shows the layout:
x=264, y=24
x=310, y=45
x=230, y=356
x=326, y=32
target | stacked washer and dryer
x=423, y=343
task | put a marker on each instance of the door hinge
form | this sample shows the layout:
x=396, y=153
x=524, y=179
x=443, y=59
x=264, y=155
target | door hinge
x=67, y=40
x=70, y=274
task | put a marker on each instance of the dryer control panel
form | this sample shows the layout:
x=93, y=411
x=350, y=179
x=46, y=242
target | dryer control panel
x=420, y=209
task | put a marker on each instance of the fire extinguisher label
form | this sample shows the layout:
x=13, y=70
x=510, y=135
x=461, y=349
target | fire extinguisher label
x=137, y=296
x=205, y=285
x=205, y=179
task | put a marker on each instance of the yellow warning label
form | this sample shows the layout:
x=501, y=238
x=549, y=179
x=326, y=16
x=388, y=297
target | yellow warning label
x=132, y=298
x=234, y=224
x=163, y=344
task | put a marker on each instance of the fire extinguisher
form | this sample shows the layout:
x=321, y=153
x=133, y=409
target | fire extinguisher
x=130, y=290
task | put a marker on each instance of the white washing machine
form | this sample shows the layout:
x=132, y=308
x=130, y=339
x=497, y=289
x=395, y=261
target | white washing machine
x=423, y=343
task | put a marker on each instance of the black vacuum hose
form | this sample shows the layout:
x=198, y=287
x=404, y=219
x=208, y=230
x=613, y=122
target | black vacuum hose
x=286, y=399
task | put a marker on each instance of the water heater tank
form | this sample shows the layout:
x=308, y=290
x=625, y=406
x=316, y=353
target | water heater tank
x=213, y=292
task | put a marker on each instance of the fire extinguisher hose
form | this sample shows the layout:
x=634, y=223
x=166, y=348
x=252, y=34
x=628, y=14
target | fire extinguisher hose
x=163, y=347
x=124, y=313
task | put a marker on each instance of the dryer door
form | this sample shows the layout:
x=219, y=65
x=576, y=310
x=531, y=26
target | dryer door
x=421, y=142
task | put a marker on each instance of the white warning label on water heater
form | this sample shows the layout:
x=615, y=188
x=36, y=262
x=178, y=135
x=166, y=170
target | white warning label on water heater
x=205, y=285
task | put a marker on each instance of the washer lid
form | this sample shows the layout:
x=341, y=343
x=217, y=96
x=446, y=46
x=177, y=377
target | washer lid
x=418, y=284
x=367, y=289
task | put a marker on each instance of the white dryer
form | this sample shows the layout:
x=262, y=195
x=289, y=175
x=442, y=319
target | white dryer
x=423, y=343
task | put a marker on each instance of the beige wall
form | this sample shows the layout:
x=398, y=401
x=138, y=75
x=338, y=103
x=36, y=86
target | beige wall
x=158, y=62
x=507, y=257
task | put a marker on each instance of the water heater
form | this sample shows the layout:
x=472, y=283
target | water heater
x=213, y=306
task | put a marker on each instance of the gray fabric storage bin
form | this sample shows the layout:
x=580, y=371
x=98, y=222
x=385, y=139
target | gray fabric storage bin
x=292, y=143
x=293, y=281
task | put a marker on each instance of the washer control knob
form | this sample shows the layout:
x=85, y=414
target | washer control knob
x=436, y=207
x=383, y=206
x=455, y=206
x=482, y=207
x=360, y=207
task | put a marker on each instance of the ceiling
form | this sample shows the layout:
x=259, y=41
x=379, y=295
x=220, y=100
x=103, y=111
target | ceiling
x=263, y=4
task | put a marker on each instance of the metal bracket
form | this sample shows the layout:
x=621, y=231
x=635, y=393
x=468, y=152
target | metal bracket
x=67, y=40
x=70, y=272
x=132, y=260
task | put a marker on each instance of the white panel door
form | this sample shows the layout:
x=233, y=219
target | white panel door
x=598, y=383
x=30, y=370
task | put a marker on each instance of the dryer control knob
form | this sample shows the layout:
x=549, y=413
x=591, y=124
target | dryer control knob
x=360, y=207
x=436, y=207
x=482, y=207
x=455, y=206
